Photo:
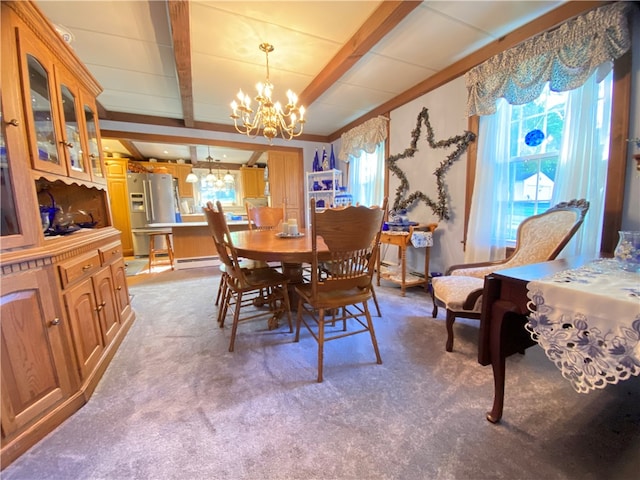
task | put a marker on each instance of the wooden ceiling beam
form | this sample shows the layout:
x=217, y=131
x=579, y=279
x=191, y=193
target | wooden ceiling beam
x=181, y=35
x=386, y=17
x=255, y=156
x=132, y=149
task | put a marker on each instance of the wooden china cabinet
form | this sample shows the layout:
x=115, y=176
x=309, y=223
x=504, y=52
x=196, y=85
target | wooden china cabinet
x=64, y=300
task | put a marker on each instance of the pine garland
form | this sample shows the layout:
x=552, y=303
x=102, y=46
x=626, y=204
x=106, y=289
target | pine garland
x=439, y=207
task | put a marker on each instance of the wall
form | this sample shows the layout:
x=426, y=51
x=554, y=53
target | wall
x=447, y=106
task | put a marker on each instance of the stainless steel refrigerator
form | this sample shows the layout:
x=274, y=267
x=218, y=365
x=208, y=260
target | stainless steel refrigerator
x=152, y=199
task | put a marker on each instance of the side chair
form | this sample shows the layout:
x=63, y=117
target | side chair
x=264, y=218
x=242, y=286
x=352, y=236
x=539, y=238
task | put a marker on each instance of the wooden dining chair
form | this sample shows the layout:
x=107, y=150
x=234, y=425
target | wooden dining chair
x=242, y=286
x=352, y=236
x=263, y=217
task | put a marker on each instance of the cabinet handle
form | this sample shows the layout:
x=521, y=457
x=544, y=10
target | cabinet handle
x=14, y=122
x=101, y=306
x=115, y=251
x=93, y=155
x=87, y=267
x=66, y=144
x=119, y=288
x=55, y=321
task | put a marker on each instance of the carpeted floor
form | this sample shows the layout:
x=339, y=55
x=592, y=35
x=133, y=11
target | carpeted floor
x=175, y=404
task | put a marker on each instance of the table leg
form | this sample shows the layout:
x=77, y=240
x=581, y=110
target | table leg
x=403, y=263
x=499, y=311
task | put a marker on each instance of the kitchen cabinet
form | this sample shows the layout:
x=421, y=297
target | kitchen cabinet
x=253, y=181
x=36, y=378
x=180, y=172
x=82, y=309
x=286, y=182
x=65, y=306
x=116, y=169
x=111, y=255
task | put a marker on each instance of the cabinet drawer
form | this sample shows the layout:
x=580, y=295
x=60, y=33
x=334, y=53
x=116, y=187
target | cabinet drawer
x=110, y=253
x=82, y=266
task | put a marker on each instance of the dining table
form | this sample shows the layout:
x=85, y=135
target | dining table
x=292, y=251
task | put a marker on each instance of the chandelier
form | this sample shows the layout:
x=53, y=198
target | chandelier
x=269, y=116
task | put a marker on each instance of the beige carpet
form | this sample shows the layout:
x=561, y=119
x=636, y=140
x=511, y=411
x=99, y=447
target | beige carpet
x=175, y=404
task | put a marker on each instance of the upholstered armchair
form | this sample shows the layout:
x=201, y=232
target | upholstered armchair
x=539, y=238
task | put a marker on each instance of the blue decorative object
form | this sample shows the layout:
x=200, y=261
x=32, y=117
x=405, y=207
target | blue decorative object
x=332, y=159
x=317, y=167
x=343, y=199
x=534, y=138
x=325, y=161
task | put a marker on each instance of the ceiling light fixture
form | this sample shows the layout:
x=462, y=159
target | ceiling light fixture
x=229, y=179
x=269, y=116
x=211, y=178
x=191, y=178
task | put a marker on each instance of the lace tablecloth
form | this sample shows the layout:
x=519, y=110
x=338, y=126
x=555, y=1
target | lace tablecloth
x=587, y=320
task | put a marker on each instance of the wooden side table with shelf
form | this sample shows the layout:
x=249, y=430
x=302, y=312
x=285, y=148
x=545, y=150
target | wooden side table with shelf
x=402, y=240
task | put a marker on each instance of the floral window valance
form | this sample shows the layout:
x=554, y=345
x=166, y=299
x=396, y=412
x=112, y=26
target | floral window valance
x=363, y=137
x=565, y=57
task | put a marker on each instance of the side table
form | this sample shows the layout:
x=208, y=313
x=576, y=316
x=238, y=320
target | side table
x=402, y=240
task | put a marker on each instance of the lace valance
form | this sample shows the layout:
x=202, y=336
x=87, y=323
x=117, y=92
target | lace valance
x=363, y=137
x=565, y=57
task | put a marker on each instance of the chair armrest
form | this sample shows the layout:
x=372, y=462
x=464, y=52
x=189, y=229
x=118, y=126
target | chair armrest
x=472, y=298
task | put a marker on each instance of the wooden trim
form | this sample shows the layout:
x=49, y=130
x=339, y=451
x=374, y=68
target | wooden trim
x=546, y=22
x=178, y=123
x=161, y=138
x=386, y=17
x=617, y=165
x=181, y=35
x=472, y=153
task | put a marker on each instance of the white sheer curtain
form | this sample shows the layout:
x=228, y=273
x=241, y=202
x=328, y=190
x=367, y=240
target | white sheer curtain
x=486, y=231
x=582, y=167
x=366, y=177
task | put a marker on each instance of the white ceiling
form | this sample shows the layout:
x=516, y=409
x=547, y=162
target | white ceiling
x=127, y=45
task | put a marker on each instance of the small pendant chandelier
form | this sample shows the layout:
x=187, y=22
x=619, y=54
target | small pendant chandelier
x=211, y=177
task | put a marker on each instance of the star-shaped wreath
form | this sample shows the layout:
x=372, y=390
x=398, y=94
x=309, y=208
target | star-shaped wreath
x=439, y=207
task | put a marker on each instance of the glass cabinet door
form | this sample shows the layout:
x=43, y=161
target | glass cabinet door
x=39, y=107
x=9, y=224
x=72, y=138
x=93, y=144
x=18, y=226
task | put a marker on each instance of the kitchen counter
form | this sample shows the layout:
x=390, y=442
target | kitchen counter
x=192, y=243
x=233, y=224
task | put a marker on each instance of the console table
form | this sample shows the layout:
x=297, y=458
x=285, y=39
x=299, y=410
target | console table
x=550, y=290
x=403, y=240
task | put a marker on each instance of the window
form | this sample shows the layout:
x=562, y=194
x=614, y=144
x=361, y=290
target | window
x=366, y=177
x=532, y=156
x=214, y=188
x=535, y=141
